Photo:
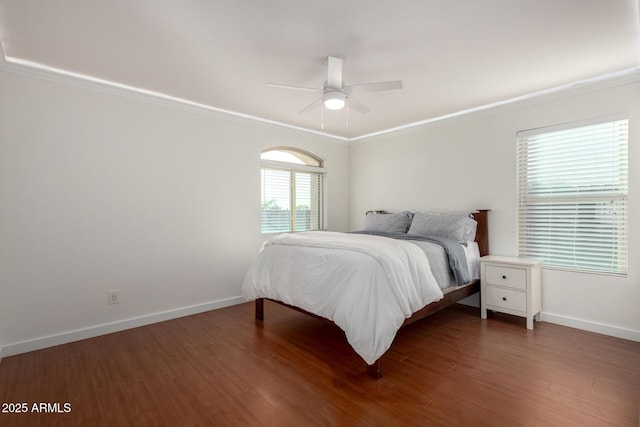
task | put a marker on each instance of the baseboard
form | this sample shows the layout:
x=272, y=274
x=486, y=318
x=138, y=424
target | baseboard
x=107, y=328
x=587, y=325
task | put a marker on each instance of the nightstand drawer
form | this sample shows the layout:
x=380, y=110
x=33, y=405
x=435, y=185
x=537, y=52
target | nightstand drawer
x=506, y=276
x=506, y=298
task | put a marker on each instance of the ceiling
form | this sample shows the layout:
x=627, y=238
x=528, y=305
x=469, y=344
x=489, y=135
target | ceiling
x=452, y=55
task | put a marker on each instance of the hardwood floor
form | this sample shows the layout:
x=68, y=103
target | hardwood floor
x=224, y=368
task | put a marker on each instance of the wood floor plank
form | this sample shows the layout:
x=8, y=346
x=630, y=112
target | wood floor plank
x=224, y=368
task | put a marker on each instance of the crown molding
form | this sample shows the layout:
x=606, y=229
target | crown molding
x=619, y=78
x=43, y=72
x=56, y=75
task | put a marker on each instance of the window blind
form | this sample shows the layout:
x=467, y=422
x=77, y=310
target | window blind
x=573, y=195
x=291, y=200
x=276, y=201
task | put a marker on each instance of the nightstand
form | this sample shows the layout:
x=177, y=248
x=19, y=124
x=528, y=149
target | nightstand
x=511, y=285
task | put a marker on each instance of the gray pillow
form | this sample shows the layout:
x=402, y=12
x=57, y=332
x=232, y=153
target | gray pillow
x=460, y=227
x=389, y=223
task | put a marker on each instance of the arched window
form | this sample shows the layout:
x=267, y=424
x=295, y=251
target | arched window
x=292, y=190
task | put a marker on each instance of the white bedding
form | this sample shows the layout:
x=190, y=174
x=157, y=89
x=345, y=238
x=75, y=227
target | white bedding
x=367, y=285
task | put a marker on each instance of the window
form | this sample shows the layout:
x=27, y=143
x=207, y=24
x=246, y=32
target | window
x=292, y=191
x=572, y=195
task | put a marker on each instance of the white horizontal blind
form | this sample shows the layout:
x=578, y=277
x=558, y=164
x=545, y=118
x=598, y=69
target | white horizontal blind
x=291, y=200
x=275, y=213
x=308, y=191
x=572, y=195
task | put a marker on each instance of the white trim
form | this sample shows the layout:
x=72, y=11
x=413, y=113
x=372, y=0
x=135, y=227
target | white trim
x=588, y=325
x=274, y=164
x=571, y=125
x=572, y=322
x=619, y=78
x=120, y=325
x=44, y=72
x=107, y=328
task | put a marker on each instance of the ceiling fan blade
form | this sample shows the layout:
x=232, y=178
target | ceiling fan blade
x=374, y=87
x=310, y=106
x=334, y=74
x=308, y=89
x=358, y=106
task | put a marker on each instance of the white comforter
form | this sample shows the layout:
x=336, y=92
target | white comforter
x=365, y=284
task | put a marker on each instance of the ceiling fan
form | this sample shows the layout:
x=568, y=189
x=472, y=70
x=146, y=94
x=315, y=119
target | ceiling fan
x=335, y=95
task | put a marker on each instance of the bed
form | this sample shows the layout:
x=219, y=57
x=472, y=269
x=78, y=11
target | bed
x=398, y=269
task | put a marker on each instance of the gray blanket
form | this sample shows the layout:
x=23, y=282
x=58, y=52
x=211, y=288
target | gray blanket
x=453, y=249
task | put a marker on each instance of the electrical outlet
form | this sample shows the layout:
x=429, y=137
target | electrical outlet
x=114, y=297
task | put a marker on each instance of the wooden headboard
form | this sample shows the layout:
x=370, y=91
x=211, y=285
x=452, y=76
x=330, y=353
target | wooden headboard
x=482, y=231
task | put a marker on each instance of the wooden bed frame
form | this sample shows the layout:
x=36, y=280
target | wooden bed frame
x=463, y=291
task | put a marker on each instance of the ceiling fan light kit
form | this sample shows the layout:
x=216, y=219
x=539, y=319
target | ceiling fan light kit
x=334, y=100
x=335, y=95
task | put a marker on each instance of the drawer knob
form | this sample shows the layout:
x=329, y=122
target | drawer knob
x=504, y=277
x=504, y=298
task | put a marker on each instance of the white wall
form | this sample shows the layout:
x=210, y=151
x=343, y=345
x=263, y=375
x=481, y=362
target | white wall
x=105, y=191
x=470, y=163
